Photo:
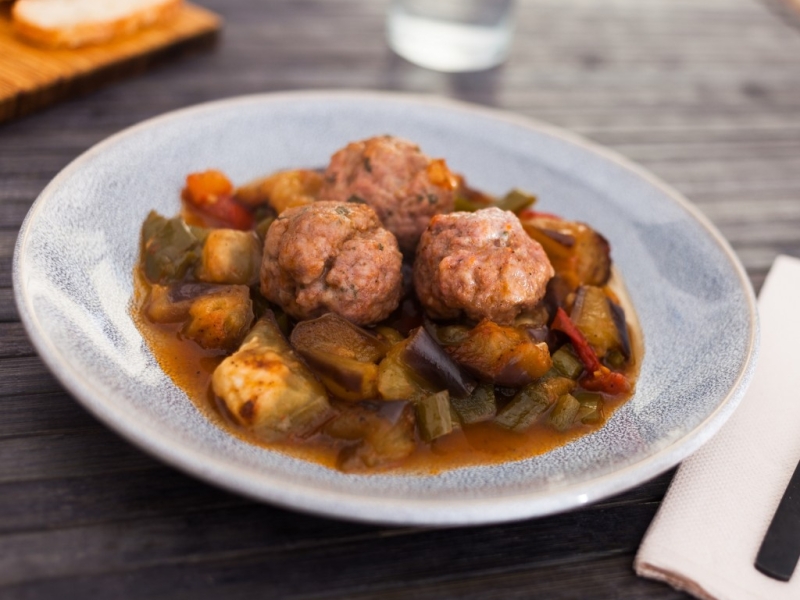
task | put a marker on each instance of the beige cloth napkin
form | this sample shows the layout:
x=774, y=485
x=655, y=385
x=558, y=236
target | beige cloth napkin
x=706, y=535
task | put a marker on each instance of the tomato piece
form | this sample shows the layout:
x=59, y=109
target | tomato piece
x=211, y=193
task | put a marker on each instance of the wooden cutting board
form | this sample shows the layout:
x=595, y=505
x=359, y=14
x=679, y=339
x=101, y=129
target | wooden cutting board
x=32, y=77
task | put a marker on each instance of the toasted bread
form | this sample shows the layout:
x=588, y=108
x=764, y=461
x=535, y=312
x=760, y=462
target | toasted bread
x=75, y=23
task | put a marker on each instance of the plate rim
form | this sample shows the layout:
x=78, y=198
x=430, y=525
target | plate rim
x=504, y=507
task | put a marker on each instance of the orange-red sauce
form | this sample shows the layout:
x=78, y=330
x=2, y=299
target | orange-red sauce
x=191, y=367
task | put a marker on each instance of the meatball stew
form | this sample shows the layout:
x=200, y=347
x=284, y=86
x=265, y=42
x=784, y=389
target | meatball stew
x=383, y=315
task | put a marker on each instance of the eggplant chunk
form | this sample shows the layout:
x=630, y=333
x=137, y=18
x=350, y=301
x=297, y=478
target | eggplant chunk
x=221, y=318
x=381, y=432
x=503, y=355
x=397, y=380
x=230, y=256
x=334, y=334
x=267, y=389
x=577, y=252
x=345, y=378
x=423, y=355
x=282, y=190
x=595, y=315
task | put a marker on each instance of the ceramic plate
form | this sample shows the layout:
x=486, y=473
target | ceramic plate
x=73, y=280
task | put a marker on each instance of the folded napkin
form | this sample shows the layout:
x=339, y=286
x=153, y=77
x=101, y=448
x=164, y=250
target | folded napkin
x=707, y=533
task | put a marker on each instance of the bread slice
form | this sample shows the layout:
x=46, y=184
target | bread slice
x=74, y=23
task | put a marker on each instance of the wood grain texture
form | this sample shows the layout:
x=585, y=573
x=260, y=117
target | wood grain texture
x=32, y=77
x=705, y=93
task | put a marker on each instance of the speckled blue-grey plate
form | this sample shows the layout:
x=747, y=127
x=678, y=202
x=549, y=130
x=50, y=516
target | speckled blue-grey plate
x=73, y=281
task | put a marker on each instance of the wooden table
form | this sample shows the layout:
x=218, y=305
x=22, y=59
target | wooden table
x=706, y=93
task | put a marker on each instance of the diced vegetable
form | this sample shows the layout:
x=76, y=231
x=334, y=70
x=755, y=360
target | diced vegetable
x=383, y=433
x=591, y=410
x=599, y=377
x=396, y=379
x=504, y=355
x=432, y=363
x=345, y=378
x=282, y=190
x=389, y=335
x=618, y=314
x=220, y=319
x=593, y=316
x=532, y=401
x=267, y=389
x=577, y=252
x=566, y=363
x=334, y=334
x=211, y=193
x=433, y=416
x=479, y=406
x=230, y=256
x=171, y=248
x=515, y=201
x=564, y=412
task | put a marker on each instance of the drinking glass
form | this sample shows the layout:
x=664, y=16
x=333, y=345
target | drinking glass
x=451, y=35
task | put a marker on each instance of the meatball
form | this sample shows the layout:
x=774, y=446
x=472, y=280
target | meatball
x=332, y=257
x=481, y=263
x=403, y=185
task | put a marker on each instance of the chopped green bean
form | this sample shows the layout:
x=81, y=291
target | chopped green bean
x=433, y=415
x=566, y=363
x=463, y=204
x=515, y=201
x=479, y=406
x=591, y=410
x=564, y=412
x=532, y=401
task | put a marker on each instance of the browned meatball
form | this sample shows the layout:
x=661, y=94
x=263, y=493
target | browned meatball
x=332, y=257
x=404, y=186
x=481, y=263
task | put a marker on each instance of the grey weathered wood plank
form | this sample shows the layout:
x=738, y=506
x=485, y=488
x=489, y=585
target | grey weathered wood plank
x=89, y=452
x=31, y=415
x=8, y=308
x=15, y=341
x=283, y=565
x=25, y=375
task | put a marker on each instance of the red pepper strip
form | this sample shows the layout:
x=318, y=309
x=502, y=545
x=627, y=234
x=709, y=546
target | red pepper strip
x=226, y=211
x=588, y=357
x=600, y=378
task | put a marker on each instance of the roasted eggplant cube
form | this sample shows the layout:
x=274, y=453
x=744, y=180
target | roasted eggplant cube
x=577, y=252
x=397, y=380
x=426, y=357
x=595, y=315
x=381, y=432
x=345, y=378
x=334, y=334
x=267, y=389
x=502, y=355
x=282, y=190
x=230, y=256
x=220, y=319
x=532, y=401
x=479, y=406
